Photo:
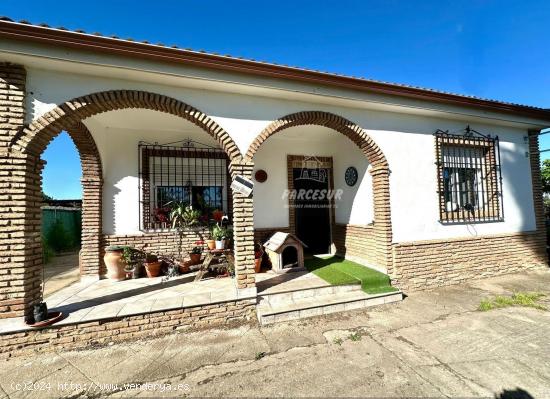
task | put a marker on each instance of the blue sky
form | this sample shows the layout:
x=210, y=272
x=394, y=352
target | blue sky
x=493, y=49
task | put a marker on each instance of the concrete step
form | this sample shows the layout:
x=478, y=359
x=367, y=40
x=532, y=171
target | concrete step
x=300, y=308
x=299, y=291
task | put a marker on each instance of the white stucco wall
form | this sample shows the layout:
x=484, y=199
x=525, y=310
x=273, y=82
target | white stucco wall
x=405, y=138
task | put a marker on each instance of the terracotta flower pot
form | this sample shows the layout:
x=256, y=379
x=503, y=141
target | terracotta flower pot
x=195, y=258
x=152, y=269
x=115, y=264
x=184, y=267
x=257, y=265
x=211, y=244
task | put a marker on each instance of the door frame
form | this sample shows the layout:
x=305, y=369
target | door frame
x=297, y=161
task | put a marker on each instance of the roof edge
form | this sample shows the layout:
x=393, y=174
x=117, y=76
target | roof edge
x=133, y=49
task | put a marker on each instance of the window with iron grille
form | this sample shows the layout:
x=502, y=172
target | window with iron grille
x=469, y=177
x=188, y=172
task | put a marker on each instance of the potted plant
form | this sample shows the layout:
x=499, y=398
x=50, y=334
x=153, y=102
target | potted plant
x=115, y=262
x=133, y=259
x=183, y=217
x=258, y=254
x=219, y=233
x=228, y=237
x=210, y=243
x=152, y=265
x=196, y=254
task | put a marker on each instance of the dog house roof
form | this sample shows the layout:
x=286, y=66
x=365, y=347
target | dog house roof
x=279, y=239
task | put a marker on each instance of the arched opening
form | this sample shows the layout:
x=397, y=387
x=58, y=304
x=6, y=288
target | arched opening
x=366, y=235
x=61, y=214
x=290, y=256
x=29, y=144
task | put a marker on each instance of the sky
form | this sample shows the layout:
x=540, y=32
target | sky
x=492, y=49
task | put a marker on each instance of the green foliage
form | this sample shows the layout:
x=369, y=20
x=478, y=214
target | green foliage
x=355, y=337
x=219, y=232
x=526, y=299
x=545, y=175
x=338, y=341
x=183, y=216
x=260, y=355
x=58, y=238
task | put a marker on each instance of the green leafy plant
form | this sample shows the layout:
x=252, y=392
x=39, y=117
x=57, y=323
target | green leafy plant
x=183, y=217
x=260, y=355
x=219, y=232
x=526, y=299
x=196, y=250
x=338, y=341
x=355, y=337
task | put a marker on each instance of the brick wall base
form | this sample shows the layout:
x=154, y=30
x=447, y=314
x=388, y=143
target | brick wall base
x=102, y=332
x=355, y=242
x=159, y=243
x=428, y=264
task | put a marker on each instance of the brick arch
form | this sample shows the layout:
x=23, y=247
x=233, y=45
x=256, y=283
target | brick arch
x=92, y=185
x=380, y=171
x=24, y=166
x=349, y=129
x=34, y=137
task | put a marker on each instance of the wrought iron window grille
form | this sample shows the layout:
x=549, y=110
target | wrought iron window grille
x=184, y=171
x=469, y=177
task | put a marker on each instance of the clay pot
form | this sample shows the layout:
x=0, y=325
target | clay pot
x=152, y=269
x=257, y=265
x=211, y=244
x=195, y=258
x=115, y=264
x=184, y=267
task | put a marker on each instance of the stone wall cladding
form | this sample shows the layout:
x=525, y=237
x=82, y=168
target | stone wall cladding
x=382, y=234
x=76, y=336
x=423, y=265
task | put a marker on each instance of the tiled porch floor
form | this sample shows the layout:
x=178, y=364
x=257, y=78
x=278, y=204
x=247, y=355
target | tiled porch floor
x=102, y=299
x=89, y=301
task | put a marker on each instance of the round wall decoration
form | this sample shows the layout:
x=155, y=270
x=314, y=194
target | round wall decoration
x=351, y=176
x=260, y=176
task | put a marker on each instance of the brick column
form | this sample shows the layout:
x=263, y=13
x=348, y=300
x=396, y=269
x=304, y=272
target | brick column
x=538, y=203
x=12, y=101
x=20, y=224
x=382, y=216
x=20, y=197
x=90, y=255
x=243, y=228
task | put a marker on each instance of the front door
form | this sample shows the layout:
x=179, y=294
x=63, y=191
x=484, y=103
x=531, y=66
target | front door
x=312, y=213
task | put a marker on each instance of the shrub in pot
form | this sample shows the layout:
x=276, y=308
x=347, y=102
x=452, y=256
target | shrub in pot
x=115, y=262
x=219, y=234
x=195, y=255
x=152, y=265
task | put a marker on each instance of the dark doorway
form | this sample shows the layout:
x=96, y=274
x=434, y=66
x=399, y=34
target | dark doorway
x=312, y=215
x=290, y=257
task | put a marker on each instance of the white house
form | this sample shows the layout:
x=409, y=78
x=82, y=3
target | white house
x=429, y=187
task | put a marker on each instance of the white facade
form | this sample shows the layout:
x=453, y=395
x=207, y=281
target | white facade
x=244, y=106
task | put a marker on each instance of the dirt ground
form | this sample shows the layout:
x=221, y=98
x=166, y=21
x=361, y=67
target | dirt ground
x=60, y=272
x=433, y=344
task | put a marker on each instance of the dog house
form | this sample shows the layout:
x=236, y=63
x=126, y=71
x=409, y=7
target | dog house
x=286, y=252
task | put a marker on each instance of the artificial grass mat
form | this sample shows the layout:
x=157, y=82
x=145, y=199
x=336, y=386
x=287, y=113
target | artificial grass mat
x=339, y=271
